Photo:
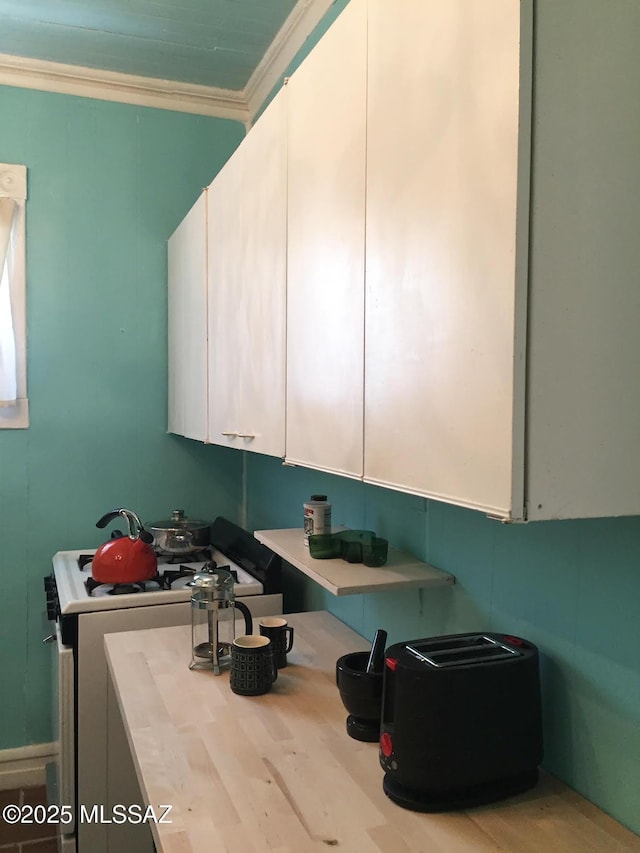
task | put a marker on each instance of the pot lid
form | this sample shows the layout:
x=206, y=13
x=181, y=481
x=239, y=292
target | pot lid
x=178, y=521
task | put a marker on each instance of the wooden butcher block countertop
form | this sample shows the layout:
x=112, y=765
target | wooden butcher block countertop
x=279, y=773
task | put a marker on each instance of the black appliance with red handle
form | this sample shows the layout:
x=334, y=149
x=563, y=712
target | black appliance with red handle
x=461, y=720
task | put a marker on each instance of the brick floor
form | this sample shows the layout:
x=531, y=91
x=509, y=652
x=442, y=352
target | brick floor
x=26, y=837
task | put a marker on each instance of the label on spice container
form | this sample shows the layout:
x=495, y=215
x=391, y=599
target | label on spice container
x=317, y=516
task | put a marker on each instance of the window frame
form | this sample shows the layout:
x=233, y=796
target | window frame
x=13, y=184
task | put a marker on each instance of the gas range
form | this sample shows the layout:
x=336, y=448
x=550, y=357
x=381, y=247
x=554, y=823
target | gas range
x=83, y=615
x=77, y=594
x=71, y=589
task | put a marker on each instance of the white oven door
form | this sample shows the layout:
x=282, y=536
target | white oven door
x=61, y=774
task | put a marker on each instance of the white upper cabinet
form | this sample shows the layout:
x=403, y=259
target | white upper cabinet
x=583, y=403
x=247, y=205
x=444, y=353
x=187, y=324
x=450, y=333
x=325, y=289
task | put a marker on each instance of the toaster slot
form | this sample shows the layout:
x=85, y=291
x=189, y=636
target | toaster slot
x=461, y=651
x=447, y=643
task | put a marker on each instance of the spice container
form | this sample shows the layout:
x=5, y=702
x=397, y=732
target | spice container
x=317, y=516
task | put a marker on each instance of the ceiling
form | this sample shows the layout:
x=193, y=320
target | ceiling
x=218, y=44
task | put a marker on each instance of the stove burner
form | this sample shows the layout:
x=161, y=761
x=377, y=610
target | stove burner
x=125, y=588
x=170, y=576
x=84, y=560
x=201, y=556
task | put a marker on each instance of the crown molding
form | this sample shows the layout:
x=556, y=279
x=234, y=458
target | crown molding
x=124, y=88
x=241, y=105
x=292, y=35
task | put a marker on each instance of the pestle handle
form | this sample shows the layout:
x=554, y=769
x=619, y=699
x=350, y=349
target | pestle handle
x=376, y=655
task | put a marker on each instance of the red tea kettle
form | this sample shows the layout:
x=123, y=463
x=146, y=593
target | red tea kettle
x=125, y=559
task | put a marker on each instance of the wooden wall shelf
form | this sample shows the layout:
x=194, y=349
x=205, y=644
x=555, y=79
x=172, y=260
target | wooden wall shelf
x=341, y=578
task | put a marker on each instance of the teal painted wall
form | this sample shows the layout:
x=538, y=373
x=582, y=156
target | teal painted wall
x=108, y=184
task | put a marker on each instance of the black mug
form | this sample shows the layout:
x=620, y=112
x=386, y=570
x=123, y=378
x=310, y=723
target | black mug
x=281, y=636
x=253, y=668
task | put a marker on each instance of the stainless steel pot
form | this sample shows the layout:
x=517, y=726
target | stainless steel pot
x=179, y=534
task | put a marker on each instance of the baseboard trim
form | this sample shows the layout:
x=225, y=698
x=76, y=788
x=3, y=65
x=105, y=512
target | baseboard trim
x=24, y=766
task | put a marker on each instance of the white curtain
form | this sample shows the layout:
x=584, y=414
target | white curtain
x=8, y=374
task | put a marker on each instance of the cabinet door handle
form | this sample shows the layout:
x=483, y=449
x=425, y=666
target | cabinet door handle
x=231, y=434
x=246, y=435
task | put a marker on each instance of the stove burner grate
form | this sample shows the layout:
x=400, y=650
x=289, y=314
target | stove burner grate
x=84, y=560
x=201, y=556
x=125, y=588
x=170, y=576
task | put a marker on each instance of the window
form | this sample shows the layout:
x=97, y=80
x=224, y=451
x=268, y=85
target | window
x=14, y=406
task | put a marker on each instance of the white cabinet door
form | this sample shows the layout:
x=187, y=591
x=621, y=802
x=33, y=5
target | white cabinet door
x=444, y=331
x=247, y=285
x=187, y=324
x=325, y=288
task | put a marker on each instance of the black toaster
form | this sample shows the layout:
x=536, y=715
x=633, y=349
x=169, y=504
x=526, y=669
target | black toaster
x=461, y=720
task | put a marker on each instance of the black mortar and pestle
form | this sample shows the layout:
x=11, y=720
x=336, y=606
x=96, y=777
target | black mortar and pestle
x=359, y=680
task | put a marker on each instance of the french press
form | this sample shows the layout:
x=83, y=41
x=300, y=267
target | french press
x=213, y=619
